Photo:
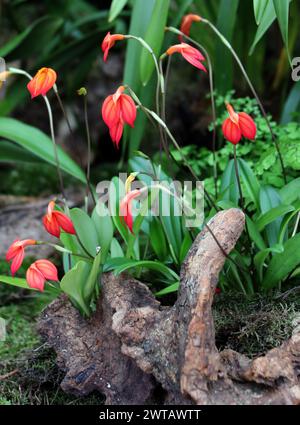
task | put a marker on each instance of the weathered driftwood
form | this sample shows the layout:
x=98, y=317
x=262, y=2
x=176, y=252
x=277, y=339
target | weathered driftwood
x=134, y=350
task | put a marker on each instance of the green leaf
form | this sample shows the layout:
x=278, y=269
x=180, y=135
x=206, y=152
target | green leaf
x=9, y=152
x=259, y=7
x=168, y=290
x=147, y=264
x=186, y=244
x=291, y=191
x=267, y=19
x=286, y=220
x=272, y=215
x=227, y=17
x=291, y=104
x=73, y=284
x=32, y=38
x=115, y=249
x=255, y=235
x=38, y=143
x=261, y=256
x=229, y=186
x=116, y=8
x=116, y=193
x=282, y=13
x=93, y=279
x=283, y=263
x=154, y=37
x=157, y=239
x=104, y=226
x=250, y=181
x=269, y=198
x=85, y=229
x=16, y=281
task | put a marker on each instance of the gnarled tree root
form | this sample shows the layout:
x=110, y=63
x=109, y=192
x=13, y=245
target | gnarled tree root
x=132, y=345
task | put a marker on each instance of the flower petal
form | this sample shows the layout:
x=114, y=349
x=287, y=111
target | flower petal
x=110, y=111
x=128, y=109
x=51, y=225
x=48, y=270
x=116, y=132
x=35, y=279
x=193, y=59
x=17, y=261
x=247, y=126
x=231, y=131
x=64, y=222
x=12, y=250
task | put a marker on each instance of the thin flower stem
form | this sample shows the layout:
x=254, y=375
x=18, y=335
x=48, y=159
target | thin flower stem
x=212, y=97
x=89, y=187
x=159, y=86
x=54, y=146
x=88, y=137
x=22, y=72
x=234, y=54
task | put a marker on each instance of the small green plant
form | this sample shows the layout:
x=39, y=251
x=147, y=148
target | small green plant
x=152, y=245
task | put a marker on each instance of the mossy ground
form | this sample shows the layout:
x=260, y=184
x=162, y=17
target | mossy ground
x=35, y=378
x=254, y=325
x=251, y=326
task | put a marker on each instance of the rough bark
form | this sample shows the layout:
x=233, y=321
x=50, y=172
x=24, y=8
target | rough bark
x=132, y=346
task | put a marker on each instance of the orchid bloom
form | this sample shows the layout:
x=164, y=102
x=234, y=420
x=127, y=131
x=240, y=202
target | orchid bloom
x=55, y=221
x=126, y=208
x=39, y=272
x=186, y=24
x=118, y=109
x=238, y=125
x=189, y=53
x=16, y=253
x=42, y=82
x=108, y=42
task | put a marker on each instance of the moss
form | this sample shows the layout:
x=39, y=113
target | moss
x=253, y=325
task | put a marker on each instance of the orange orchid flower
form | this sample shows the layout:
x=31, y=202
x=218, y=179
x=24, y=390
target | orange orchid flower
x=39, y=272
x=186, y=24
x=126, y=208
x=108, y=42
x=238, y=125
x=189, y=53
x=16, y=253
x=118, y=109
x=55, y=221
x=42, y=82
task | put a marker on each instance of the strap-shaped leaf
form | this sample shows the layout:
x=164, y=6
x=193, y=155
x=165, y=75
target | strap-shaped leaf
x=283, y=263
x=39, y=144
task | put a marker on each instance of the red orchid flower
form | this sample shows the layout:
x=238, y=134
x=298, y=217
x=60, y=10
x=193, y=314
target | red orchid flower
x=39, y=272
x=55, y=221
x=42, y=82
x=16, y=253
x=118, y=109
x=186, y=24
x=189, y=53
x=109, y=41
x=126, y=208
x=238, y=125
